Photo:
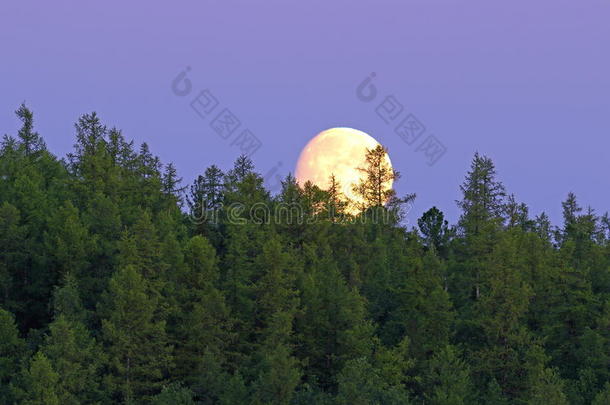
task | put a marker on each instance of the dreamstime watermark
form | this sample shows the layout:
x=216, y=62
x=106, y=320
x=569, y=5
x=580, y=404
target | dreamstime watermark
x=406, y=126
x=273, y=179
x=284, y=214
x=224, y=123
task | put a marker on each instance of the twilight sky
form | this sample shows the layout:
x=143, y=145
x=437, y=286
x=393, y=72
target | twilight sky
x=526, y=83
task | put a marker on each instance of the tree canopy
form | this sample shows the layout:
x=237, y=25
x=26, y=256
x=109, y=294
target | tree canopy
x=119, y=284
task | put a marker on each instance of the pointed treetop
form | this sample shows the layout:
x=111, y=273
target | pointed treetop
x=30, y=141
x=483, y=195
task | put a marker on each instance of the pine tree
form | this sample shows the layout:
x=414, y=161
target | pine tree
x=435, y=229
x=13, y=257
x=235, y=391
x=242, y=168
x=447, y=381
x=315, y=203
x=285, y=299
x=120, y=151
x=375, y=188
x=395, y=365
x=278, y=375
x=68, y=241
x=424, y=311
x=332, y=327
x=542, y=227
x=571, y=307
x=277, y=371
x=292, y=212
x=378, y=175
x=77, y=360
x=500, y=340
x=90, y=140
x=136, y=342
x=174, y=395
x=361, y=384
x=205, y=201
x=202, y=321
x=337, y=202
x=33, y=282
x=243, y=188
x=493, y=395
x=603, y=397
x=12, y=348
x=170, y=182
x=141, y=247
x=483, y=196
x=482, y=207
x=547, y=389
x=206, y=190
x=40, y=383
x=102, y=221
x=517, y=214
x=30, y=141
x=570, y=214
x=593, y=358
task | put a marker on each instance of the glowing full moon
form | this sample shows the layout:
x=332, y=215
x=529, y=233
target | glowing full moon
x=338, y=151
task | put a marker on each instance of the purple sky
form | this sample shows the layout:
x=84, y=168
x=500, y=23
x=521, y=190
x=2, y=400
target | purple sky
x=526, y=83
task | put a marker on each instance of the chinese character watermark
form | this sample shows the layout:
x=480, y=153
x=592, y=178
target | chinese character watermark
x=225, y=124
x=408, y=128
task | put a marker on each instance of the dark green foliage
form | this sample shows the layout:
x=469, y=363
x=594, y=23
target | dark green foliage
x=483, y=196
x=113, y=290
x=435, y=229
x=13, y=255
x=134, y=338
x=31, y=142
x=547, y=388
x=360, y=383
x=332, y=327
x=447, y=379
x=39, y=383
x=12, y=348
x=174, y=395
x=603, y=397
x=76, y=358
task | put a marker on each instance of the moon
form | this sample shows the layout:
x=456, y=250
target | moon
x=338, y=151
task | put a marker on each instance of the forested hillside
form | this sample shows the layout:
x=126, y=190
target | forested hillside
x=120, y=284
